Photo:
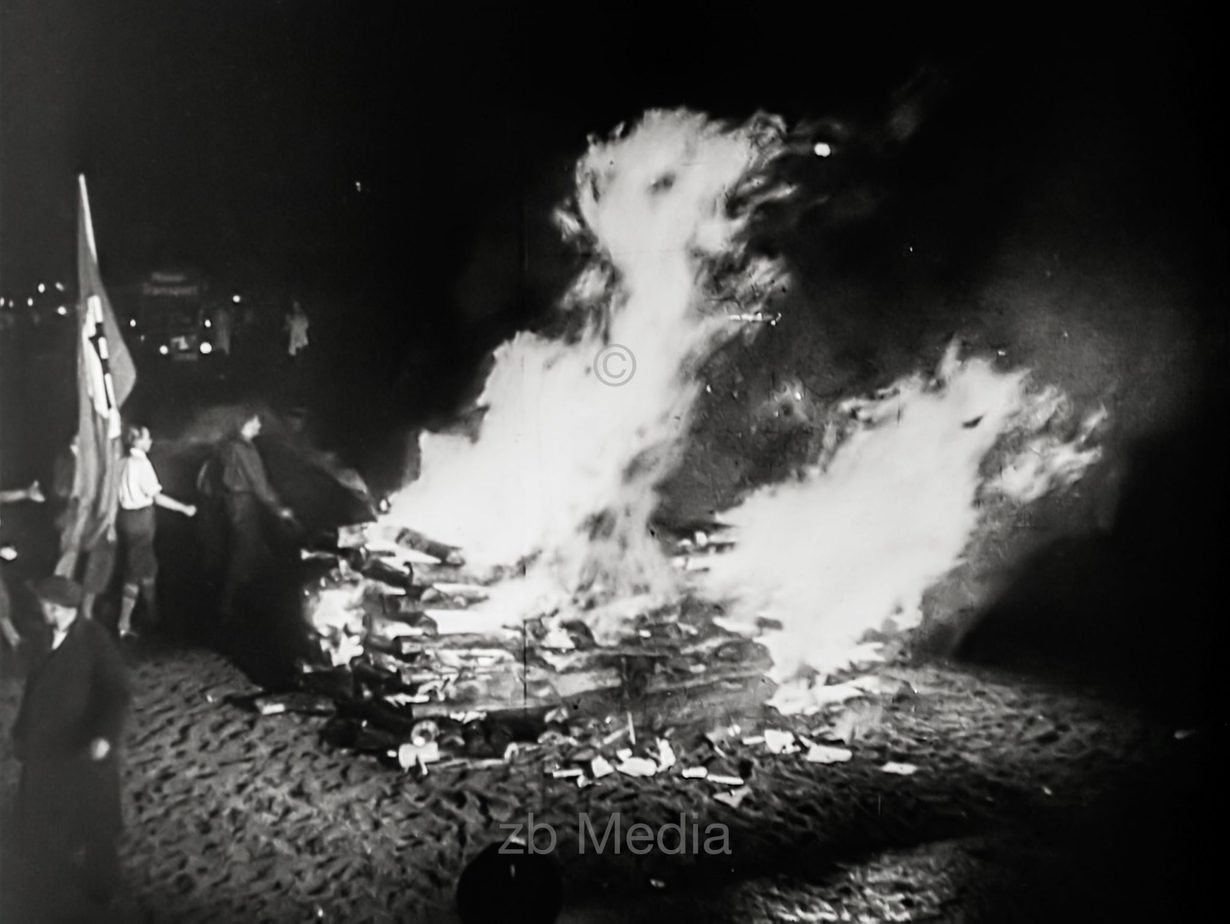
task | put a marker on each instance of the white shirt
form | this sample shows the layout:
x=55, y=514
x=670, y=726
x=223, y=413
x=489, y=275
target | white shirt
x=139, y=483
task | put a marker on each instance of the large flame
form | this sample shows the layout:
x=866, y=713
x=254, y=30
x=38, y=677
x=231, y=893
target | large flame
x=578, y=432
x=854, y=546
x=560, y=482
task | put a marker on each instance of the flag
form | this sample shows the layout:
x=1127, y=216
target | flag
x=105, y=377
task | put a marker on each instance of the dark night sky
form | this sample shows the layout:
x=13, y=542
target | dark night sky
x=230, y=135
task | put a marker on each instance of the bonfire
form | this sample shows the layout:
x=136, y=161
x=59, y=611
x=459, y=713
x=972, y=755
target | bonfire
x=546, y=586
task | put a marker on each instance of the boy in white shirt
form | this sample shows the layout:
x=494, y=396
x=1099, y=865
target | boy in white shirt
x=140, y=492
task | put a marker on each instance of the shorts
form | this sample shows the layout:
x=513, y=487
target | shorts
x=136, y=529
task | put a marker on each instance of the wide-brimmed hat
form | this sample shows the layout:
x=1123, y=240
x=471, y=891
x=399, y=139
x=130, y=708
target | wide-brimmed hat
x=58, y=589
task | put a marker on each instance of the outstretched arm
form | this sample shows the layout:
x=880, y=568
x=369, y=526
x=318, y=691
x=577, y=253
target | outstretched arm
x=170, y=503
x=244, y=471
x=33, y=493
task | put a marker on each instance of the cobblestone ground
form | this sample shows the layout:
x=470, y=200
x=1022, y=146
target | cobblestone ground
x=235, y=817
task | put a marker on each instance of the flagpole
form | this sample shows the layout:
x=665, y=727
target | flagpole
x=89, y=219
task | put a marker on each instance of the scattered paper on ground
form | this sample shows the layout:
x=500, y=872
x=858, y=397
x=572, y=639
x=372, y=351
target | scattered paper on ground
x=779, y=742
x=637, y=766
x=899, y=769
x=824, y=754
x=733, y=797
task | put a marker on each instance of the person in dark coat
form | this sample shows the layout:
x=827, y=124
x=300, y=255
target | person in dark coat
x=247, y=497
x=67, y=737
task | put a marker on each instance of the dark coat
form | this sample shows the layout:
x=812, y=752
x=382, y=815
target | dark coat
x=75, y=694
x=243, y=473
x=249, y=500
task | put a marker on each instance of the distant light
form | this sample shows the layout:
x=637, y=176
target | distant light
x=42, y=287
x=60, y=286
x=30, y=302
x=164, y=350
x=61, y=311
x=132, y=322
x=206, y=347
x=209, y=323
x=236, y=299
x=358, y=186
x=822, y=149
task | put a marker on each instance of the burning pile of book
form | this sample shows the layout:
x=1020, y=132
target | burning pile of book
x=414, y=660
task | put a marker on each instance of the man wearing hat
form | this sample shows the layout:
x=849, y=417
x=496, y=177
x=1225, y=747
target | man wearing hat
x=67, y=736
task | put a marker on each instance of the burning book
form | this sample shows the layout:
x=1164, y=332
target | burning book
x=413, y=642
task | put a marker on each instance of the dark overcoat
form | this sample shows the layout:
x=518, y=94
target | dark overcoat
x=75, y=693
x=249, y=500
